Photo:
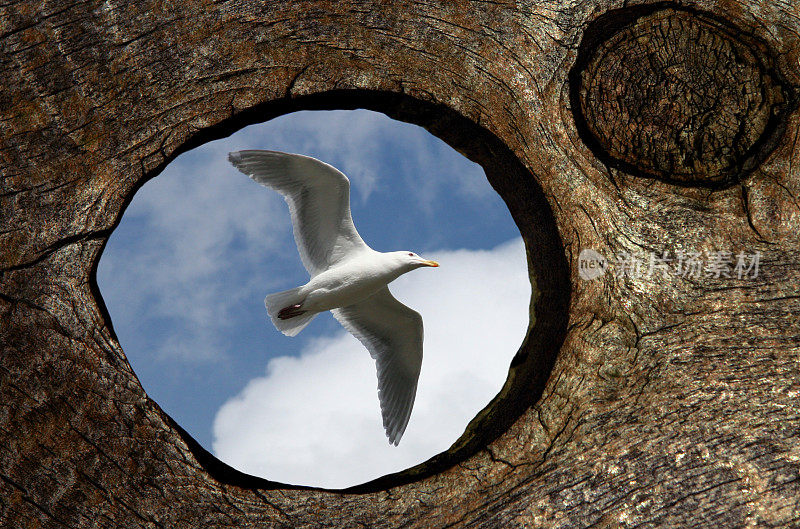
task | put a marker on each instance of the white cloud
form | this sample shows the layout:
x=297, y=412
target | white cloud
x=315, y=419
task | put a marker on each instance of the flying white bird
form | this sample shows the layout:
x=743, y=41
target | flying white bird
x=347, y=277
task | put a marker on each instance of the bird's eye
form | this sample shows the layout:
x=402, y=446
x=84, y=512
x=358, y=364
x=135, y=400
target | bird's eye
x=410, y=254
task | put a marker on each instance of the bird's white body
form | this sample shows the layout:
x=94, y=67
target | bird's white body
x=347, y=277
x=352, y=281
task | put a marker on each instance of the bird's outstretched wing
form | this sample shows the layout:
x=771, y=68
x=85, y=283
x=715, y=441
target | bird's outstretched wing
x=392, y=333
x=319, y=202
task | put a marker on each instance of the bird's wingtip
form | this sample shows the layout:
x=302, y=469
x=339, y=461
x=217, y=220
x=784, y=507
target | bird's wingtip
x=393, y=437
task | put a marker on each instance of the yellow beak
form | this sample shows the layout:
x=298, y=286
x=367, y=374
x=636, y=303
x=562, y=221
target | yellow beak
x=431, y=263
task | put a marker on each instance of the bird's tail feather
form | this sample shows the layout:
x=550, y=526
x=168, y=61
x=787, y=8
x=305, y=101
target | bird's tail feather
x=279, y=300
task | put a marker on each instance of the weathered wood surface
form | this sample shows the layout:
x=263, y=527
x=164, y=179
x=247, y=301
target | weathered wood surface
x=673, y=401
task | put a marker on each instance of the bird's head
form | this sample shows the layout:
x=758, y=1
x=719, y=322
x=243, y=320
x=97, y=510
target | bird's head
x=410, y=260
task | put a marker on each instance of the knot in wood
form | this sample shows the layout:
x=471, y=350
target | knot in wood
x=676, y=95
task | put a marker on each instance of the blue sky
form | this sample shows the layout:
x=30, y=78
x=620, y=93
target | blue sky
x=185, y=274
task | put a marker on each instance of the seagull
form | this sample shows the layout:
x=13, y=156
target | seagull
x=348, y=277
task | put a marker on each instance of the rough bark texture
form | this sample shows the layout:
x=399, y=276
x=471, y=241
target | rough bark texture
x=665, y=400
